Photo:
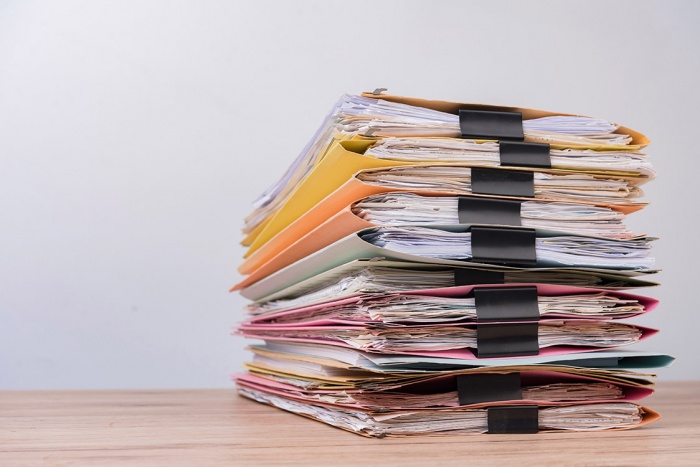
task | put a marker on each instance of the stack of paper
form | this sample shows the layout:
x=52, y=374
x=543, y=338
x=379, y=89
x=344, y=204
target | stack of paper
x=435, y=268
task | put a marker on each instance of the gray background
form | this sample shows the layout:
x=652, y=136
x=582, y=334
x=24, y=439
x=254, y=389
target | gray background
x=134, y=136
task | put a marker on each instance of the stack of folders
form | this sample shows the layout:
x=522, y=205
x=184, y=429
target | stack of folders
x=437, y=268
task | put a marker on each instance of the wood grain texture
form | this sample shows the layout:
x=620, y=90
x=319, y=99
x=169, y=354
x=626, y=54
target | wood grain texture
x=210, y=427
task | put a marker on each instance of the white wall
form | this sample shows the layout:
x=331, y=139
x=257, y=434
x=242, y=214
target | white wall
x=135, y=134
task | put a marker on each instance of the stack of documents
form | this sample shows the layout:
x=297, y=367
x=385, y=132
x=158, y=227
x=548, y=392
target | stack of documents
x=436, y=268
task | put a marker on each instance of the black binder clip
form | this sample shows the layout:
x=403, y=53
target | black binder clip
x=503, y=245
x=474, y=210
x=491, y=125
x=501, y=306
x=513, y=419
x=506, y=304
x=519, y=154
x=488, y=387
x=503, y=182
x=464, y=276
x=507, y=340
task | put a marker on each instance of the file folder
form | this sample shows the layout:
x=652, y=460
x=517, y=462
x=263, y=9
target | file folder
x=335, y=178
x=353, y=247
x=404, y=276
x=322, y=312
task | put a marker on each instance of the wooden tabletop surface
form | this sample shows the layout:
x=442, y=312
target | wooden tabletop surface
x=215, y=426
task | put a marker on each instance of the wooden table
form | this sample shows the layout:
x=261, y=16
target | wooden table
x=205, y=427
